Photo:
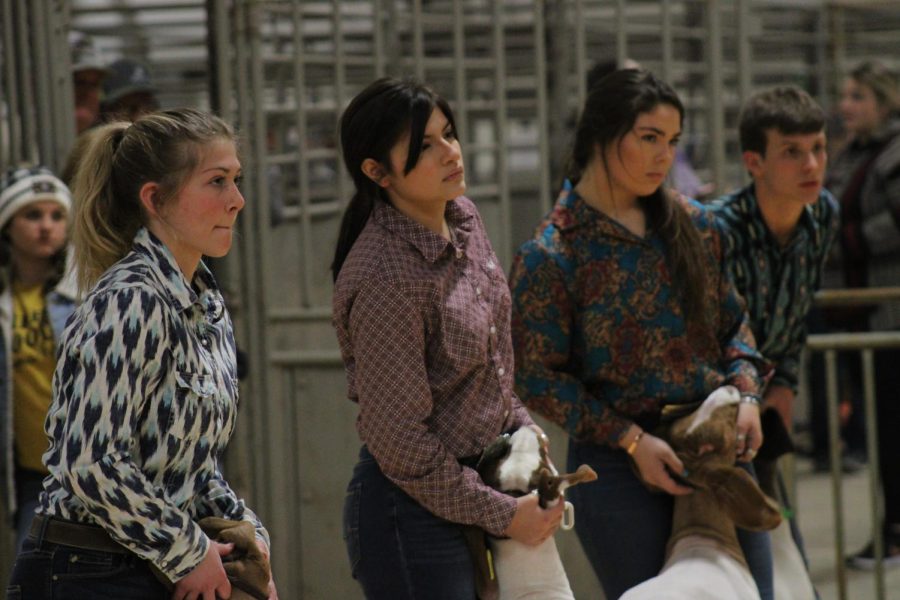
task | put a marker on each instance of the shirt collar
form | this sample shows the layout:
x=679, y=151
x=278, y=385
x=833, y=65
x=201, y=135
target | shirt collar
x=759, y=231
x=571, y=212
x=431, y=245
x=161, y=261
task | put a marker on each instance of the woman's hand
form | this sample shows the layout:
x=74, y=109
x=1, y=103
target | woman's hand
x=652, y=455
x=208, y=580
x=749, y=431
x=532, y=524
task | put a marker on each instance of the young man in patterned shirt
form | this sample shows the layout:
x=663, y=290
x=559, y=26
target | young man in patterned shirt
x=777, y=231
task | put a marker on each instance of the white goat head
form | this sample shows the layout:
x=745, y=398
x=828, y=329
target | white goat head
x=519, y=463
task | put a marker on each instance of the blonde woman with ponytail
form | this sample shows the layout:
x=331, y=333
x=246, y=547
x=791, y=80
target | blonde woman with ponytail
x=145, y=389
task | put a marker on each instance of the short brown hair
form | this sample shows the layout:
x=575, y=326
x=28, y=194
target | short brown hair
x=787, y=109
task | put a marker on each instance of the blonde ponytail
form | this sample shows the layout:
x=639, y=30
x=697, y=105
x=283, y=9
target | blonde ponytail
x=102, y=228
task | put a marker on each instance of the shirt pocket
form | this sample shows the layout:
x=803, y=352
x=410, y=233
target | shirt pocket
x=195, y=424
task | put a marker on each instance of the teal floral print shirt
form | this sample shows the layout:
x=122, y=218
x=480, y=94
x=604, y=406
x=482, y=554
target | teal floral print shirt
x=599, y=336
x=777, y=282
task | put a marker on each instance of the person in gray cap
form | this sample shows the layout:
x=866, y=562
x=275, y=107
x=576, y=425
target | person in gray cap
x=128, y=91
x=35, y=301
x=89, y=69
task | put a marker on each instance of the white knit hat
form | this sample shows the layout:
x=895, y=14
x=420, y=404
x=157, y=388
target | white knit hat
x=23, y=186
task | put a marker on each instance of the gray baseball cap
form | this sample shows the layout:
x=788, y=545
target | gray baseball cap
x=125, y=77
x=86, y=54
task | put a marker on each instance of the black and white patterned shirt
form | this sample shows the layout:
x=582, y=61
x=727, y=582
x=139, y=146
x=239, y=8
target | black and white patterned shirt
x=144, y=402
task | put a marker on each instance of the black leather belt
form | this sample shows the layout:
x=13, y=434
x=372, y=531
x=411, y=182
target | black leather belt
x=76, y=535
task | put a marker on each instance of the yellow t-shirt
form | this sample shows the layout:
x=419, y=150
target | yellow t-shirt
x=34, y=360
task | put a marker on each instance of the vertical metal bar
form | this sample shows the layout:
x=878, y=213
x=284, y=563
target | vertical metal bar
x=581, y=63
x=560, y=90
x=834, y=446
x=251, y=107
x=289, y=427
x=40, y=44
x=300, y=98
x=307, y=251
x=744, y=50
x=64, y=74
x=715, y=93
x=874, y=483
x=224, y=72
x=13, y=129
x=838, y=45
x=459, y=68
x=667, y=42
x=391, y=50
x=340, y=92
x=501, y=120
x=54, y=154
x=621, y=32
x=378, y=38
x=540, y=68
x=29, y=127
x=418, y=40
x=822, y=68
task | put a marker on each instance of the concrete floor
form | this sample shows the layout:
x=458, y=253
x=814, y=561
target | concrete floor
x=815, y=510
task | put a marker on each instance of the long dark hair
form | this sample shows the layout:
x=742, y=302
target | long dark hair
x=610, y=111
x=375, y=120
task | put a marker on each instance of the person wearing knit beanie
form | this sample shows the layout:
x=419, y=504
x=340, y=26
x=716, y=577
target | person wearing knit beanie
x=34, y=306
x=26, y=185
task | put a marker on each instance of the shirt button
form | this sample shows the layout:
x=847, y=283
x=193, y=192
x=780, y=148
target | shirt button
x=206, y=342
x=505, y=414
x=501, y=371
x=490, y=264
x=478, y=291
x=493, y=330
x=459, y=253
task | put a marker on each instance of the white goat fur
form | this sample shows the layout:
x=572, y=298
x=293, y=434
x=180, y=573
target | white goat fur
x=527, y=572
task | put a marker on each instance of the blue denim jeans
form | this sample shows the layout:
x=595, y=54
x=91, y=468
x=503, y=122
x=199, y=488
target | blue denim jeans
x=47, y=571
x=397, y=549
x=624, y=527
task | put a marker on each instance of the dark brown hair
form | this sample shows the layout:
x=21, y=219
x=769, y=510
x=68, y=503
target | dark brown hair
x=610, y=111
x=375, y=120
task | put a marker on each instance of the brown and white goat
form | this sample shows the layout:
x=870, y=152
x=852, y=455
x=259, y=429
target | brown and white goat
x=518, y=464
x=705, y=560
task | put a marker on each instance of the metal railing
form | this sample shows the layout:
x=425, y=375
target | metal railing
x=866, y=343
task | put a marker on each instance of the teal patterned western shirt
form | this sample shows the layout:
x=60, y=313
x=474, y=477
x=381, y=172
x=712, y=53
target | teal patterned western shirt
x=599, y=335
x=144, y=401
x=776, y=283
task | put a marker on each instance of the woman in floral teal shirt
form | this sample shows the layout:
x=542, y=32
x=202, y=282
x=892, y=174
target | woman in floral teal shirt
x=621, y=308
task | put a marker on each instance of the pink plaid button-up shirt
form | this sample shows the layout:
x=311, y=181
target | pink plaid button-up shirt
x=424, y=329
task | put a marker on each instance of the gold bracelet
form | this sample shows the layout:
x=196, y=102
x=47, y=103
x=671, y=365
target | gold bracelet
x=633, y=445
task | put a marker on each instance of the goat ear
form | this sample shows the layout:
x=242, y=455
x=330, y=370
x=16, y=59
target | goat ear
x=742, y=500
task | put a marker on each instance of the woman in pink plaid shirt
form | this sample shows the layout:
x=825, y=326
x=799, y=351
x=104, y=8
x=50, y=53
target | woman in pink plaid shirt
x=421, y=309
